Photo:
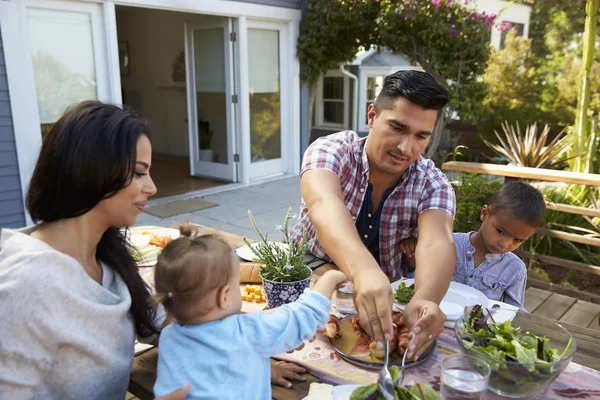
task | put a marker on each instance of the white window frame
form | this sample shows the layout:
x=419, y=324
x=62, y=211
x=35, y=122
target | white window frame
x=319, y=109
x=364, y=74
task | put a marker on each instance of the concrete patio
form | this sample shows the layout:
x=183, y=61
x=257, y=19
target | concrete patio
x=268, y=202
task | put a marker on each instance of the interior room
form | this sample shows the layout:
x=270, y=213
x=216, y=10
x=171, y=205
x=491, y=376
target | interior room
x=153, y=83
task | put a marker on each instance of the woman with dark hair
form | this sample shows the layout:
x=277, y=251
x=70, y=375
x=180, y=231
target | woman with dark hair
x=71, y=299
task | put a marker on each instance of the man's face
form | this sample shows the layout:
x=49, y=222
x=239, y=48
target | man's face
x=398, y=136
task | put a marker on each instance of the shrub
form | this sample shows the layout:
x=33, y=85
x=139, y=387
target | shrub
x=472, y=192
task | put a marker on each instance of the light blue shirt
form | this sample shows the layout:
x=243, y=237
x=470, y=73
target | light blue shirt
x=229, y=358
x=501, y=277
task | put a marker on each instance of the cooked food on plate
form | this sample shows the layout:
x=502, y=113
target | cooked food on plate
x=254, y=294
x=157, y=240
x=365, y=346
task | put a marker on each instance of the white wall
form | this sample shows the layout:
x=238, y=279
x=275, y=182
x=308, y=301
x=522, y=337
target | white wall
x=506, y=11
x=155, y=39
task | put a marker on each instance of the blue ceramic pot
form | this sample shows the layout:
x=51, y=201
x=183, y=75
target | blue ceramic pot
x=280, y=293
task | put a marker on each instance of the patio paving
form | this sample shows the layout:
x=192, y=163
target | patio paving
x=268, y=202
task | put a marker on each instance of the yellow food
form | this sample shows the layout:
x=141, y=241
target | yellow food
x=254, y=293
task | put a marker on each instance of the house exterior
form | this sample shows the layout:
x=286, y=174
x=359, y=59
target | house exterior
x=354, y=86
x=225, y=64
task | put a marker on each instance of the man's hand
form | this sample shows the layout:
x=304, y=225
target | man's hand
x=373, y=300
x=282, y=370
x=408, y=246
x=425, y=321
x=179, y=394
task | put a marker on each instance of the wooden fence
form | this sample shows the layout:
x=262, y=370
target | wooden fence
x=539, y=174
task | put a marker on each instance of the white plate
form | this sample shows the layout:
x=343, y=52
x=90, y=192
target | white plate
x=456, y=299
x=140, y=241
x=343, y=392
x=246, y=253
x=158, y=230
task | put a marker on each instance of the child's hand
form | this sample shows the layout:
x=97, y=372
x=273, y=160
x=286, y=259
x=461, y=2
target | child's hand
x=179, y=394
x=408, y=246
x=281, y=371
x=329, y=282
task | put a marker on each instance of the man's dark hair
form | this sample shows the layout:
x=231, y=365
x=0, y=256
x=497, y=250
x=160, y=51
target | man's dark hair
x=416, y=86
x=522, y=201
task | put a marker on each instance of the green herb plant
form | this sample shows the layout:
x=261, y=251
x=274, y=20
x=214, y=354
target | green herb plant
x=280, y=264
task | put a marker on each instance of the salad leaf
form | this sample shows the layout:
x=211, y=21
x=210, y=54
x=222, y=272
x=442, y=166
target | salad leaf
x=404, y=293
x=423, y=391
x=364, y=392
x=529, y=357
x=419, y=391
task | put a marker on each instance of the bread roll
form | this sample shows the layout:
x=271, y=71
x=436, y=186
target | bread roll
x=250, y=272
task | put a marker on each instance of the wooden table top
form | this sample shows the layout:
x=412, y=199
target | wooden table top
x=143, y=373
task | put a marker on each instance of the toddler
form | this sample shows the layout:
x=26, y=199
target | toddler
x=225, y=354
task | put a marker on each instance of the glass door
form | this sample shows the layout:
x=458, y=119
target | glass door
x=67, y=44
x=269, y=139
x=210, y=98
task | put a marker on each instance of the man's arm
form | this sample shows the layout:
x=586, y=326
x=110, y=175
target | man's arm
x=337, y=233
x=435, y=260
x=435, y=255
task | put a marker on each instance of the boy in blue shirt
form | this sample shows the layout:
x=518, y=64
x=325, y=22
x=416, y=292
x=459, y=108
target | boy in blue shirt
x=484, y=259
x=222, y=353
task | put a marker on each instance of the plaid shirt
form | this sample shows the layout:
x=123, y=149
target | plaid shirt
x=422, y=187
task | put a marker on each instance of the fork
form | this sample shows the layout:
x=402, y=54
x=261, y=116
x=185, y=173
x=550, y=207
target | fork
x=385, y=384
x=401, y=375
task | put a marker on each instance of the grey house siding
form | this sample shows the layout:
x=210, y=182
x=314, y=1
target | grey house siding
x=277, y=3
x=11, y=200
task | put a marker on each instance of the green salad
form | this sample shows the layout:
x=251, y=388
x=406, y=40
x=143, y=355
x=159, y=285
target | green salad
x=404, y=293
x=531, y=357
x=419, y=391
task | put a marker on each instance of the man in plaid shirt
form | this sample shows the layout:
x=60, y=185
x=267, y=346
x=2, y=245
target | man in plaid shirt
x=362, y=196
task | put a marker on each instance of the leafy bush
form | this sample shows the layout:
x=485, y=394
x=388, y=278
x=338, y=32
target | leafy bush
x=472, y=193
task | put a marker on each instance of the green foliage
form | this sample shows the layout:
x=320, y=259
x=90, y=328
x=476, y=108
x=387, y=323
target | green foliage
x=537, y=273
x=472, y=193
x=531, y=150
x=280, y=264
x=332, y=32
x=448, y=40
x=513, y=84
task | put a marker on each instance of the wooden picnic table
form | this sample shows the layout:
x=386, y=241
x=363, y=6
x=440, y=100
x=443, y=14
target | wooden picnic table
x=143, y=373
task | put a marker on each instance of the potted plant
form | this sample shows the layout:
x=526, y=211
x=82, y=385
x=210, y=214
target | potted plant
x=284, y=272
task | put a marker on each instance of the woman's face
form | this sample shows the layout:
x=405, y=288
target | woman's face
x=123, y=208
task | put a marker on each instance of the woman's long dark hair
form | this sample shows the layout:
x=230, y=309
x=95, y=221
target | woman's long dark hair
x=88, y=156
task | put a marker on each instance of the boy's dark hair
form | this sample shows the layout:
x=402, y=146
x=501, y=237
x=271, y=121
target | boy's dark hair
x=522, y=201
x=416, y=86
